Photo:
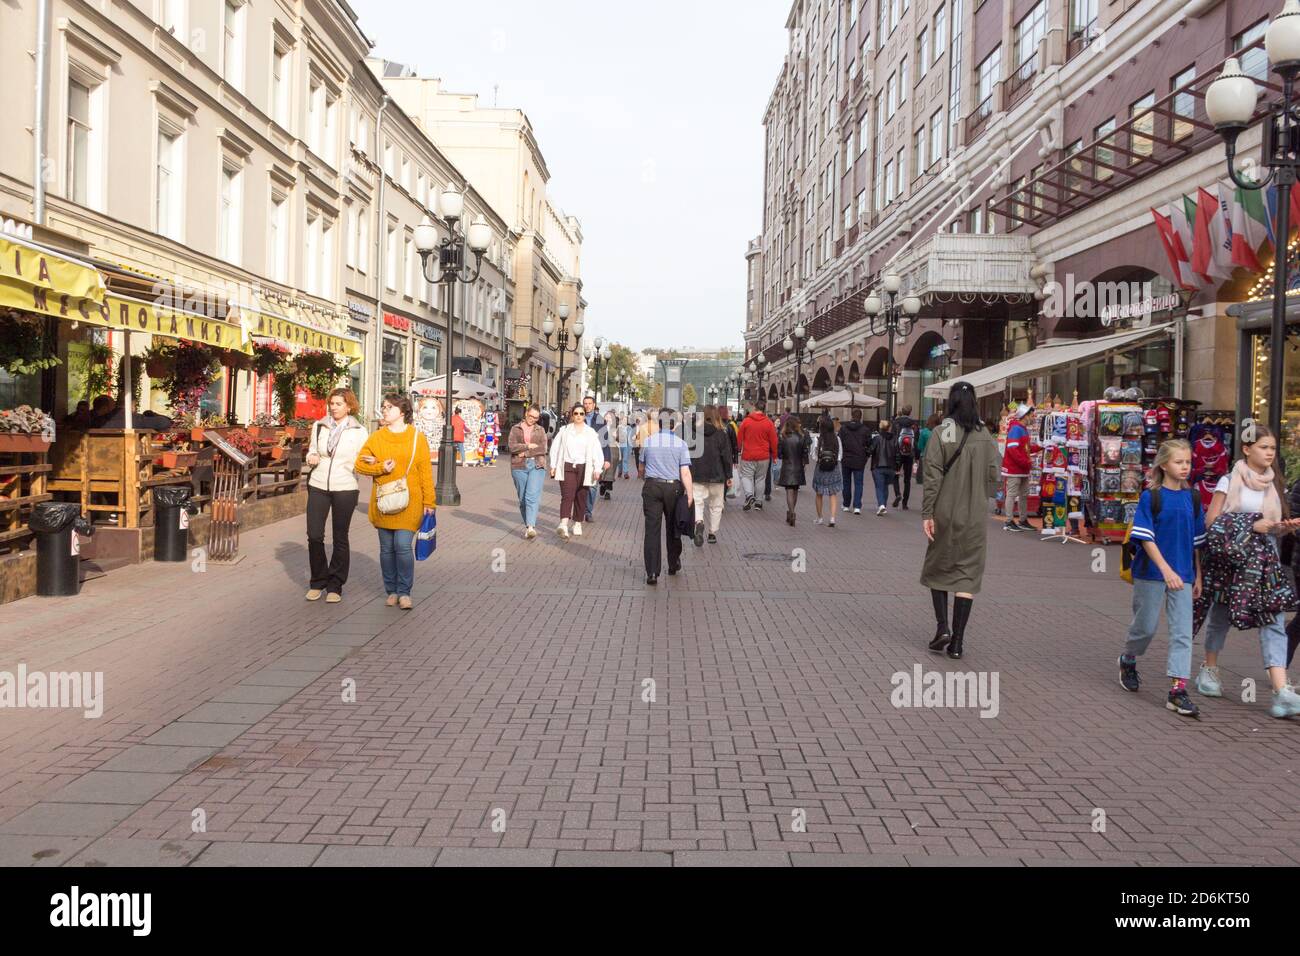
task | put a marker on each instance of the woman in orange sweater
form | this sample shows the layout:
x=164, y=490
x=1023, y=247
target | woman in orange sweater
x=398, y=450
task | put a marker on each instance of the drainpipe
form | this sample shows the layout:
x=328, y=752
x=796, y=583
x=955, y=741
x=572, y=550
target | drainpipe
x=381, y=230
x=38, y=123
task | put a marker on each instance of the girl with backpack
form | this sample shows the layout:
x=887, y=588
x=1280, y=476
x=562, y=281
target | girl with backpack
x=1253, y=486
x=828, y=478
x=1168, y=528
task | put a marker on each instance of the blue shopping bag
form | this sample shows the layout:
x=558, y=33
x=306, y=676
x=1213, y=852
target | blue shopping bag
x=426, y=539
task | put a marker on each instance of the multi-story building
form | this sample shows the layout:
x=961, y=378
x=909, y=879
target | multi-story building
x=499, y=150
x=1002, y=158
x=226, y=155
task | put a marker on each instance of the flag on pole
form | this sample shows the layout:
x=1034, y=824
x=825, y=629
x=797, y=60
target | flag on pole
x=1247, y=231
x=1181, y=269
x=1211, y=238
x=1182, y=215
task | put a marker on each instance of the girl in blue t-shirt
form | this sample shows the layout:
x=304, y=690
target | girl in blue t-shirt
x=1166, y=561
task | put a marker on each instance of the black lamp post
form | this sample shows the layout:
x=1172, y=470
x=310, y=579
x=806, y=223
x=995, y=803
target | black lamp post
x=757, y=366
x=451, y=270
x=890, y=320
x=1230, y=106
x=562, y=345
x=800, y=345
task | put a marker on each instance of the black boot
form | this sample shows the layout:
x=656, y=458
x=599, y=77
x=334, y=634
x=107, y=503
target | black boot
x=942, y=635
x=960, y=614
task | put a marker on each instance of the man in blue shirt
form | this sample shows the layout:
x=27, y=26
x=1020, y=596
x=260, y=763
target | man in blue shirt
x=594, y=422
x=666, y=468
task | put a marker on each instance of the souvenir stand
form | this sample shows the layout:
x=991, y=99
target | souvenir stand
x=1118, y=467
x=428, y=397
x=1212, y=441
x=1059, y=474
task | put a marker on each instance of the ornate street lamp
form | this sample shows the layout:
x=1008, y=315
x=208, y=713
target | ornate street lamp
x=757, y=366
x=799, y=345
x=1230, y=106
x=894, y=318
x=452, y=269
x=562, y=345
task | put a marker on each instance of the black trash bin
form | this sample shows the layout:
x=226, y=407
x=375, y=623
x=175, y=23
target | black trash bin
x=58, y=565
x=171, y=524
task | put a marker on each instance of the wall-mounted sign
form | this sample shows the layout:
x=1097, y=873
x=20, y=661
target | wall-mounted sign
x=361, y=310
x=1143, y=308
x=426, y=330
x=397, y=322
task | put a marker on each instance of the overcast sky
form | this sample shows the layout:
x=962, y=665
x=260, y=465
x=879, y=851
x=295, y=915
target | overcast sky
x=650, y=119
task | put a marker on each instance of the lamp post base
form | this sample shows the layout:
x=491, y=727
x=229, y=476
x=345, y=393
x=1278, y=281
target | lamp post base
x=446, y=491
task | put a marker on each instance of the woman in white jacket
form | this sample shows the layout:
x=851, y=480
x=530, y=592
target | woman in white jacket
x=332, y=454
x=576, y=463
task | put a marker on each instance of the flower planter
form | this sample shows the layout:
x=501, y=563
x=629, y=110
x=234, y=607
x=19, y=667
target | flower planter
x=196, y=434
x=179, y=459
x=265, y=431
x=20, y=442
x=277, y=453
x=156, y=367
x=292, y=431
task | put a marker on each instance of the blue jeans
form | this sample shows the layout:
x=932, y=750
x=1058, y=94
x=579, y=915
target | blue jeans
x=528, y=486
x=1148, y=597
x=852, y=486
x=460, y=452
x=591, y=499
x=397, y=560
x=625, y=459
x=884, y=480
x=1272, y=637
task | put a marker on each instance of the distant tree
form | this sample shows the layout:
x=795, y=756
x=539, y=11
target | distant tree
x=688, y=396
x=657, y=395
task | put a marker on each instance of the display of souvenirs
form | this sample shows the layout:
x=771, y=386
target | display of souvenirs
x=1130, y=481
x=1117, y=457
x=1211, y=439
x=1132, y=452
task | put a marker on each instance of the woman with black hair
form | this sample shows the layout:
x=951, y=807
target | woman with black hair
x=828, y=478
x=961, y=473
x=793, y=447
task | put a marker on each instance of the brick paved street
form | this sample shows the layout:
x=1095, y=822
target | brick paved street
x=223, y=693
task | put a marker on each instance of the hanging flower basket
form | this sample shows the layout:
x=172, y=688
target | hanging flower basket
x=156, y=366
x=236, y=361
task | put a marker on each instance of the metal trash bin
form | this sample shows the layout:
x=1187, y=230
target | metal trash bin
x=171, y=522
x=58, y=562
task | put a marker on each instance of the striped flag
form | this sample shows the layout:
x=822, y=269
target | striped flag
x=1182, y=215
x=1211, y=237
x=1183, y=276
x=1248, y=230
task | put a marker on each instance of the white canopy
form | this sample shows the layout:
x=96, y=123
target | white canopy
x=462, y=386
x=840, y=398
x=991, y=380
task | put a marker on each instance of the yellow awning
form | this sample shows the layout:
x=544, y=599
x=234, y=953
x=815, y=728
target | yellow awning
x=269, y=325
x=37, y=273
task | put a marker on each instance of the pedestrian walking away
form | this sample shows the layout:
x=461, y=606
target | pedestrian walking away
x=458, y=435
x=922, y=440
x=608, y=434
x=904, y=427
x=397, y=458
x=757, y=442
x=711, y=475
x=666, y=468
x=625, y=450
x=1015, y=469
x=594, y=420
x=795, y=447
x=855, y=440
x=576, y=463
x=1243, y=583
x=961, y=474
x=527, y=444
x=1167, y=531
x=883, y=456
x=828, y=456
x=332, y=491
x=735, y=449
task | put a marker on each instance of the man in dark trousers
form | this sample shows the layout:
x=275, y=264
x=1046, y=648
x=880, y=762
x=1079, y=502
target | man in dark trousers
x=855, y=438
x=592, y=415
x=666, y=468
x=906, y=433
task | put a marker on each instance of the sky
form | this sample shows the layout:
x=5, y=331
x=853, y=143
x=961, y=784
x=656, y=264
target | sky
x=650, y=117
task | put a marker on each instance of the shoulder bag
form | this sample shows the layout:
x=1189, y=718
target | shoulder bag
x=947, y=465
x=393, y=497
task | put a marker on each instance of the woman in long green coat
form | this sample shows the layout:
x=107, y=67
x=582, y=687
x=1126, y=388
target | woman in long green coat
x=961, y=469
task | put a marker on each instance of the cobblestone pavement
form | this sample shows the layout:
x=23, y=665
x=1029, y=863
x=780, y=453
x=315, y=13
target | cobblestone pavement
x=505, y=719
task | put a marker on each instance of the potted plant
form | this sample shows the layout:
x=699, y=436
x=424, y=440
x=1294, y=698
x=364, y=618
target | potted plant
x=241, y=441
x=265, y=426
x=25, y=347
x=25, y=429
x=175, y=458
x=193, y=367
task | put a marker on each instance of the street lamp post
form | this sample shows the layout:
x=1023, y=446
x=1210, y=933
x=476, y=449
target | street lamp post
x=890, y=320
x=562, y=345
x=452, y=269
x=757, y=365
x=1230, y=106
x=800, y=345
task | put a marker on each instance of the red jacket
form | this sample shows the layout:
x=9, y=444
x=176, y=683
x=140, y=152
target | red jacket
x=757, y=438
x=1015, y=460
x=457, y=427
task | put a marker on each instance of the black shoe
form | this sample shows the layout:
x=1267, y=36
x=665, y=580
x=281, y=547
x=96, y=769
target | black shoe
x=749, y=503
x=905, y=506
x=1011, y=525
x=789, y=518
x=1128, y=675
x=673, y=570
x=766, y=498
x=1180, y=703
x=651, y=579
x=589, y=519
x=897, y=499
x=758, y=505
x=699, y=534
x=941, y=640
x=713, y=539
x=954, y=649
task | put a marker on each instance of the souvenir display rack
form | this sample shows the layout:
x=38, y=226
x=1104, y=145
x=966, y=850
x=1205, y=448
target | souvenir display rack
x=1062, y=463
x=1118, y=466
x=1213, y=446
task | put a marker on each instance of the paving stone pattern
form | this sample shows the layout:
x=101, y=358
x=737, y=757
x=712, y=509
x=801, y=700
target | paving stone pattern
x=503, y=721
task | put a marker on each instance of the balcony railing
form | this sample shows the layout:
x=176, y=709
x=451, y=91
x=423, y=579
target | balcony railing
x=979, y=118
x=986, y=263
x=1021, y=81
x=1081, y=39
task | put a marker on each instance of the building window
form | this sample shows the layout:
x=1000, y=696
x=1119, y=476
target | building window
x=1142, y=127
x=277, y=259
x=281, y=79
x=987, y=75
x=900, y=169
x=862, y=206
x=936, y=135
x=169, y=191
x=902, y=80
x=82, y=142
x=231, y=223
x=864, y=124
x=1075, y=166
x=956, y=78
x=391, y=264
x=325, y=286
x=174, y=18
x=1028, y=34
x=878, y=183
x=313, y=252
x=1104, y=154
x=923, y=52
x=1184, y=104
x=1083, y=21
x=880, y=112
x=891, y=86
x=232, y=45
x=940, y=31
x=1254, y=63
x=408, y=267
x=363, y=241
x=976, y=224
x=918, y=152
x=1039, y=201
x=889, y=182
x=350, y=253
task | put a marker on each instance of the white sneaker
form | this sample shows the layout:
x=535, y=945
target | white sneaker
x=818, y=521
x=857, y=511
x=530, y=533
x=577, y=529
x=563, y=529
x=880, y=511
